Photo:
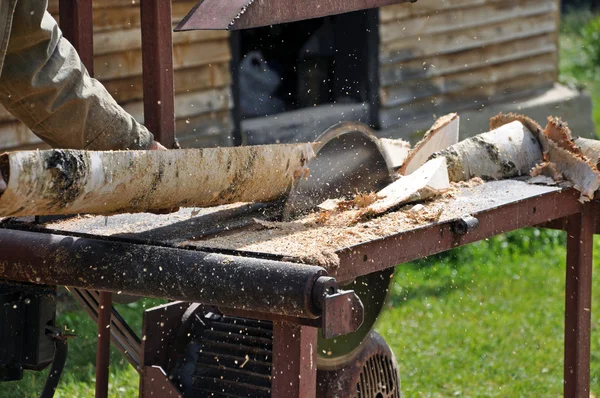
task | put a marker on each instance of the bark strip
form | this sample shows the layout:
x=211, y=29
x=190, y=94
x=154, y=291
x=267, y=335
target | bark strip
x=590, y=149
x=56, y=182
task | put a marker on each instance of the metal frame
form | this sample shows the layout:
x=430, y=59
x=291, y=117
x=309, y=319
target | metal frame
x=295, y=337
x=295, y=332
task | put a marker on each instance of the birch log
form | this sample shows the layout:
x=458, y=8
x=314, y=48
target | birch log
x=58, y=182
x=509, y=151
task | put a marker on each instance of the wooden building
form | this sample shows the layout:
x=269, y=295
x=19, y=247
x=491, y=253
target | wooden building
x=386, y=67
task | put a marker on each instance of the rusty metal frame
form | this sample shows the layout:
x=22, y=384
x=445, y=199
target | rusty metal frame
x=157, y=70
x=578, y=303
x=295, y=340
x=294, y=353
x=419, y=243
x=581, y=221
x=155, y=348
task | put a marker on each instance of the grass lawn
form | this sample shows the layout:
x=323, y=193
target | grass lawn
x=481, y=321
x=485, y=320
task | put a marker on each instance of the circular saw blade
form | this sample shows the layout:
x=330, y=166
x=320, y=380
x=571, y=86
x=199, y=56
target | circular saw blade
x=348, y=158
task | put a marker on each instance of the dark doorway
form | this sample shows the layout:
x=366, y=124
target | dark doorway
x=306, y=64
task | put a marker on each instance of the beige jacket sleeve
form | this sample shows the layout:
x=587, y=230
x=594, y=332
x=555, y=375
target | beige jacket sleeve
x=44, y=83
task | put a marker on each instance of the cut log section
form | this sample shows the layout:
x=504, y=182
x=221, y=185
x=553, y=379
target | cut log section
x=509, y=151
x=443, y=134
x=429, y=180
x=56, y=182
x=560, y=150
x=563, y=157
x=577, y=169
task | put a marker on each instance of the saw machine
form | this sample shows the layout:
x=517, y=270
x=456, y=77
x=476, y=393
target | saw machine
x=267, y=322
x=245, y=317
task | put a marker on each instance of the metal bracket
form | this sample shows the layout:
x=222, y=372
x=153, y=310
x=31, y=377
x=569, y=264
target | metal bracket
x=343, y=313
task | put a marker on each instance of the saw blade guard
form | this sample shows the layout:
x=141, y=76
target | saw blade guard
x=348, y=158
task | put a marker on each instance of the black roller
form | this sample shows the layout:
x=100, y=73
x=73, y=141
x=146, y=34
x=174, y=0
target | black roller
x=154, y=271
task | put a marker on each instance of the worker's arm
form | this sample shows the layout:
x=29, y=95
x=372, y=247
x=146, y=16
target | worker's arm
x=44, y=83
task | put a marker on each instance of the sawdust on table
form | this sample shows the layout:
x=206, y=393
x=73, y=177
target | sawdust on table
x=315, y=238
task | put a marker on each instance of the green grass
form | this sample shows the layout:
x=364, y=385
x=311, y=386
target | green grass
x=485, y=320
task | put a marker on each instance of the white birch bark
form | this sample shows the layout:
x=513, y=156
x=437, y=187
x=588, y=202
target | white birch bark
x=509, y=151
x=58, y=182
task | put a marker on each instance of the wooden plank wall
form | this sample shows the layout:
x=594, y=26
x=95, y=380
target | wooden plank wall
x=202, y=78
x=436, y=56
x=439, y=56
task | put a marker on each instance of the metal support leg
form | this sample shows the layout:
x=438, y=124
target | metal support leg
x=77, y=26
x=580, y=229
x=294, y=372
x=103, y=348
x=157, y=62
x=122, y=336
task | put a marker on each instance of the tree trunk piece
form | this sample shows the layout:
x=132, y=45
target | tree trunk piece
x=56, y=182
x=429, y=180
x=509, y=151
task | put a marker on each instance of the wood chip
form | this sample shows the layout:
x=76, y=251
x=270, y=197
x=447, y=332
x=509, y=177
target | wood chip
x=443, y=133
x=395, y=151
x=429, y=180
